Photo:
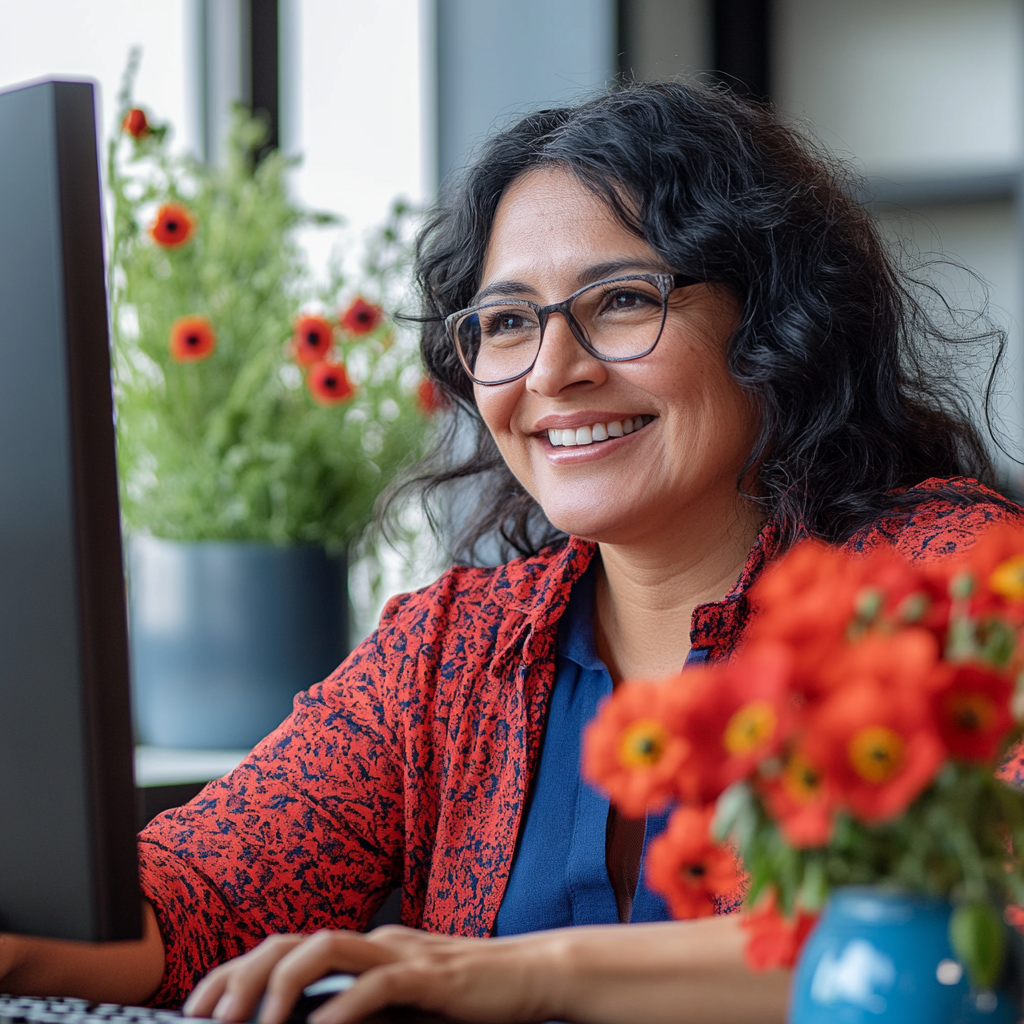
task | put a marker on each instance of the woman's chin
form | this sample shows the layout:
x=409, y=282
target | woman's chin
x=601, y=525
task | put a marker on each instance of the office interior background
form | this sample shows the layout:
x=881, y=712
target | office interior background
x=385, y=98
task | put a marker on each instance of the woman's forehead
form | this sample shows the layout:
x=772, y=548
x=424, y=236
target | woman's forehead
x=548, y=225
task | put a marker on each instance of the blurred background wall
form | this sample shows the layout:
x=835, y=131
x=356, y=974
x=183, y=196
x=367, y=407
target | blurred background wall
x=386, y=97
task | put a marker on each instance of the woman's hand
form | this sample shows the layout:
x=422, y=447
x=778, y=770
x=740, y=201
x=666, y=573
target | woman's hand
x=106, y=972
x=681, y=971
x=488, y=981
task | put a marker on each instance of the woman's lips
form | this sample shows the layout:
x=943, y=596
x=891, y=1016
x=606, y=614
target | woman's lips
x=592, y=433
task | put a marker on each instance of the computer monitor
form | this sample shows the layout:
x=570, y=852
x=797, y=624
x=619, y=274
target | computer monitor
x=68, y=865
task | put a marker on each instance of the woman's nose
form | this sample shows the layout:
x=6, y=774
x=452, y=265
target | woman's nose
x=562, y=361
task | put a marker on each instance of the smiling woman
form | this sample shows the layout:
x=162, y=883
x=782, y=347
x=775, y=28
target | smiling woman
x=682, y=346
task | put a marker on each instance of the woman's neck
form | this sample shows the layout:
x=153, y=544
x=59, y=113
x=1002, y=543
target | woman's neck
x=646, y=593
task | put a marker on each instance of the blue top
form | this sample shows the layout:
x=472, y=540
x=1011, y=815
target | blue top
x=559, y=875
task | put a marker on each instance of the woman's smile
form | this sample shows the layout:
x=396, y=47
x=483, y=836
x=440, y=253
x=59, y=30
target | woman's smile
x=598, y=431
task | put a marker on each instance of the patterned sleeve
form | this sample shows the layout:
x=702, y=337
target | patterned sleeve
x=306, y=833
x=951, y=515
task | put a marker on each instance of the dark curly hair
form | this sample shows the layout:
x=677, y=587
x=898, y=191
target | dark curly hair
x=838, y=345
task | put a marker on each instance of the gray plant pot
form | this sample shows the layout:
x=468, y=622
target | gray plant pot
x=224, y=634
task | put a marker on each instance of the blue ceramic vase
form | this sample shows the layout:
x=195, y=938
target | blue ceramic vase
x=879, y=956
x=224, y=634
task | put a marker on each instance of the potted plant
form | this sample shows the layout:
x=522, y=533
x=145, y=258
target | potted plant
x=839, y=778
x=258, y=418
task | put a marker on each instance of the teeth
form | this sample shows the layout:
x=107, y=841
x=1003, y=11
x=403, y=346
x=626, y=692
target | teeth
x=572, y=438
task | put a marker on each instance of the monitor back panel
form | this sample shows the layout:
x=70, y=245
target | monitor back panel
x=67, y=851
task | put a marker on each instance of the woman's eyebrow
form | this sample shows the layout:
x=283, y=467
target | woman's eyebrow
x=588, y=275
x=505, y=289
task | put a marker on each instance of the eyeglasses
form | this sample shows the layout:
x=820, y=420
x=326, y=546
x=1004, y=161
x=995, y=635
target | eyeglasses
x=615, y=320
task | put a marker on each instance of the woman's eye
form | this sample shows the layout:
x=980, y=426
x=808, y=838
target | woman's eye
x=508, y=322
x=627, y=300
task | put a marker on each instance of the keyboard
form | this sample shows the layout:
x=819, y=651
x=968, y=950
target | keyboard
x=36, y=1010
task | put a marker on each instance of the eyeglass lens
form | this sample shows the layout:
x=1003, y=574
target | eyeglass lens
x=619, y=320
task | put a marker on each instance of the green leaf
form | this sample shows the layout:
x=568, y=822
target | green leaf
x=978, y=937
x=734, y=815
x=814, y=890
x=998, y=642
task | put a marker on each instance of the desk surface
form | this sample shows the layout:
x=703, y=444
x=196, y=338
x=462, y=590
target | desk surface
x=172, y=766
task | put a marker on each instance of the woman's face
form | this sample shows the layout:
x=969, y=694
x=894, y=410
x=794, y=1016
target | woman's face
x=550, y=237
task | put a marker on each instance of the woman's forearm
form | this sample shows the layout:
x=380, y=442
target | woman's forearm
x=116, y=972
x=676, y=972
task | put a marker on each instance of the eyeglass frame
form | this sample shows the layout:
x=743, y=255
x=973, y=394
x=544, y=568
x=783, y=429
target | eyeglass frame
x=667, y=283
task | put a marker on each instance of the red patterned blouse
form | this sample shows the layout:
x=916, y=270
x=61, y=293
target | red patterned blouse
x=409, y=766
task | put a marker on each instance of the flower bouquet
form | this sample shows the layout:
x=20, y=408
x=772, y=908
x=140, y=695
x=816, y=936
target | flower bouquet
x=855, y=739
x=252, y=404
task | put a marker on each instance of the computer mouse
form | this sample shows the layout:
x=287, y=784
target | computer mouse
x=313, y=996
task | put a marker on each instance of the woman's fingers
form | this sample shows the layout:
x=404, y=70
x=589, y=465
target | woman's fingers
x=320, y=954
x=475, y=980
x=399, y=984
x=232, y=991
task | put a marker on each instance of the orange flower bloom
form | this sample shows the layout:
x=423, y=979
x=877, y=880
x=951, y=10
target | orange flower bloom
x=429, y=397
x=688, y=868
x=909, y=659
x=737, y=714
x=312, y=339
x=878, y=746
x=173, y=226
x=192, y=339
x=973, y=712
x=773, y=940
x=802, y=801
x=992, y=572
x=361, y=317
x=633, y=750
x=328, y=383
x=135, y=123
x=816, y=597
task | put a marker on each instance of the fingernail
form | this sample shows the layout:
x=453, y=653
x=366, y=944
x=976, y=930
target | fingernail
x=224, y=1009
x=269, y=1009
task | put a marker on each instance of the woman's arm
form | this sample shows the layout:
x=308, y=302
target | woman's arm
x=678, y=972
x=122, y=972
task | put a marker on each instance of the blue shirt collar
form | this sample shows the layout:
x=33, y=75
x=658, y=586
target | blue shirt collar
x=576, y=628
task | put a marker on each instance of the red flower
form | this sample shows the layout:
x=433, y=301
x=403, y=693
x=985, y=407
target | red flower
x=802, y=801
x=818, y=598
x=991, y=573
x=737, y=715
x=634, y=750
x=773, y=940
x=973, y=712
x=192, y=339
x=312, y=339
x=877, y=746
x=429, y=397
x=688, y=868
x=909, y=659
x=328, y=383
x=173, y=226
x=361, y=317
x=135, y=123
